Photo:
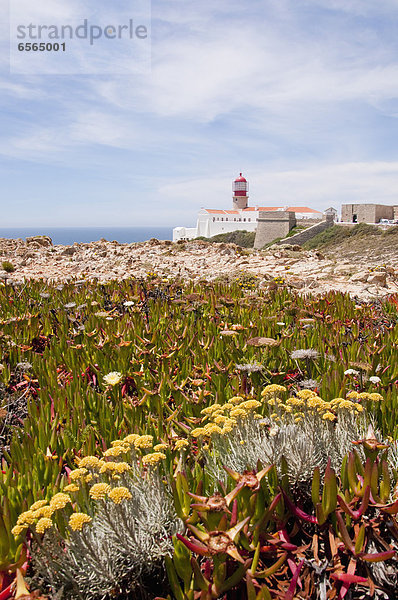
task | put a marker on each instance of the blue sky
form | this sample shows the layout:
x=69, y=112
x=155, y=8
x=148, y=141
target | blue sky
x=300, y=95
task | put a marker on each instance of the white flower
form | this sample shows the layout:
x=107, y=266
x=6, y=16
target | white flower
x=305, y=353
x=280, y=323
x=113, y=378
x=128, y=303
x=308, y=384
x=250, y=367
x=374, y=379
x=351, y=372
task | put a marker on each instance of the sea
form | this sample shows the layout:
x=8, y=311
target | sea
x=69, y=235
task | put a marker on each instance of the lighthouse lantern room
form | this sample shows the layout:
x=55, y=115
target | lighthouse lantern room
x=240, y=188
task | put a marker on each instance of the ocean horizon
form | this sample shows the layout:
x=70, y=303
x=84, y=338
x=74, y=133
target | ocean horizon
x=70, y=235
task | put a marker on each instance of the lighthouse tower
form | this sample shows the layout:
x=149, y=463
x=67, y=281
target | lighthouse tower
x=240, y=188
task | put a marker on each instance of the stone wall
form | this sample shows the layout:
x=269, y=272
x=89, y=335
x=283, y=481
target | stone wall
x=307, y=234
x=366, y=213
x=271, y=225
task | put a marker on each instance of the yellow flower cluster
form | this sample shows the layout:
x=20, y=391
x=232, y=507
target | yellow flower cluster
x=329, y=416
x=144, y=441
x=130, y=439
x=153, y=458
x=38, y=504
x=160, y=447
x=114, y=467
x=99, y=491
x=273, y=389
x=118, y=494
x=26, y=518
x=72, y=487
x=364, y=396
x=375, y=397
x=116, y=451
x=89, y=462
x=223, y=418
x=77, y=474
x=305, y=394
x=59, y=501
x=345, y=404
x=18, y=529
x=234, y=400
x=308, y=402
x=180, y=444
x=78, y=520
x=43, y=511
x=43, y=524
x=250, y=404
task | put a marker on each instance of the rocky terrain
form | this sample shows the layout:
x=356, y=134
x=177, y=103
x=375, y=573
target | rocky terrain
x=360, y=274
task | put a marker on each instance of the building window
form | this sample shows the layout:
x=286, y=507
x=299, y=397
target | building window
x=249, y=220
x=244, y=220
x=214, y=219
x=222, y=218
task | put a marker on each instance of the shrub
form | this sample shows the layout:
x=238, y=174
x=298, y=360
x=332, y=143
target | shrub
x=7, y=266
x=239, y=237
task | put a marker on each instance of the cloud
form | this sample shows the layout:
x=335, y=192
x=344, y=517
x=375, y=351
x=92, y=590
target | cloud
x=317, y=186
x=302, y=95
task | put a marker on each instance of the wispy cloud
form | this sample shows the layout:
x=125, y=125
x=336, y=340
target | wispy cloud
x=303, y=96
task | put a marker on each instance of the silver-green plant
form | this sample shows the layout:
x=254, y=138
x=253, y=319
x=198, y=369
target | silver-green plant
x=120, y=551
x=304, y=445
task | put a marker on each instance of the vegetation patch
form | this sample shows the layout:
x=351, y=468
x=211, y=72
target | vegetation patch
x=339, y=233
x=239, y=237
x=7, y=266
x=200, y=441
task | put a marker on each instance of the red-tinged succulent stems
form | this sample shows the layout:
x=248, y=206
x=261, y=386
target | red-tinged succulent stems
x=344, y=533
x=273, y=569
x=345, y=586
x=297, y=512
x=329, y=494
x=195, y=546
x=378, y=556
x=235, y=578
x=234, y=516
x=232, y=495
x=234, y=531
x=355, y=514
x=200, y=580
x=292, y=587
x=267, y=515
x=346, y=578
x=203, y=536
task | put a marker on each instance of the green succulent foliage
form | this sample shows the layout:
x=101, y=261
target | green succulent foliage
x=260, y=538
x=168, y=341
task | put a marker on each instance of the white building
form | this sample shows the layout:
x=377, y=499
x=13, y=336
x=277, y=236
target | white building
x=214, y=221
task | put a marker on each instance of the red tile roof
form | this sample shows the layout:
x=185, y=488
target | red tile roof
x=297, y=209
x=303, y=209
x=251, y=208
x=221, y=212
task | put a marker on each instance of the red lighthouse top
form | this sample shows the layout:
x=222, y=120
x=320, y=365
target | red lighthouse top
x=240, y=186
x=240, y=178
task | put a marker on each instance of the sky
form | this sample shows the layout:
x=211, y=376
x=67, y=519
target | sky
x=299, y=95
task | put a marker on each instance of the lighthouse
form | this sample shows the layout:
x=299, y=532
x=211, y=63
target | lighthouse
x=240, y=189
